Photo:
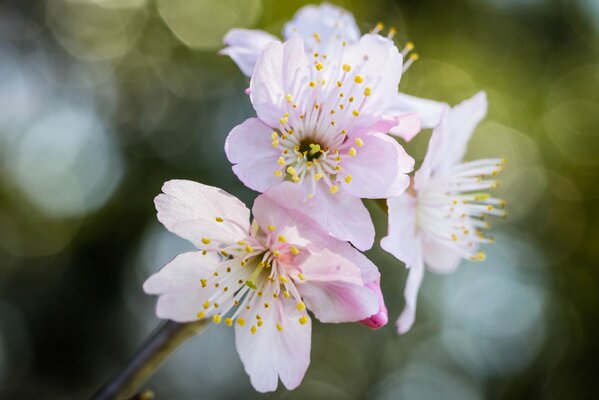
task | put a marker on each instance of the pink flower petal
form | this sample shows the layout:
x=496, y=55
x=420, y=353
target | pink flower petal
x=282, y=205
x=429, y=111
x=333, y=289
x=405, y=126
x=192, y=211
x=380, y=319
x=270, y=354
x=244, y=47
x=380, y=167
x=380, y=62
x=281, y=70
x=248, y=146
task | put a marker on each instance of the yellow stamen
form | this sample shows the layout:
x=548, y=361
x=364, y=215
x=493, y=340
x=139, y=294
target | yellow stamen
x=216, y=318
x=334, y=189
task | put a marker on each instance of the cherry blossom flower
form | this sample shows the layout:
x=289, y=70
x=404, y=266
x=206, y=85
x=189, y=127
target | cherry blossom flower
x=441, y=221
x=319, y=125
x=260, y=277
x=325, y=29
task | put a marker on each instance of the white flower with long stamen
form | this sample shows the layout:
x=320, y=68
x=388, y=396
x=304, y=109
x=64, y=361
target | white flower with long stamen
x=318, y=126
x=261, y=277
x=441, y=221
x=325, y=29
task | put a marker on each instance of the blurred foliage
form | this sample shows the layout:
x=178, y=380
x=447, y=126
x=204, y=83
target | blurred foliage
x=103, y=100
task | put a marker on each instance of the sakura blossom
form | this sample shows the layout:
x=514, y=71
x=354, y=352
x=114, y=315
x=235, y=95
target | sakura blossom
x=260, y=277
x=320, y=124
x=326, y=29
x=441, y=219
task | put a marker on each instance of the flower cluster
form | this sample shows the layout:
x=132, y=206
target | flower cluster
x=328, y=115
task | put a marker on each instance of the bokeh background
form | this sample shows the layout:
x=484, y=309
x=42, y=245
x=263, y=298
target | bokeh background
x=103, y=100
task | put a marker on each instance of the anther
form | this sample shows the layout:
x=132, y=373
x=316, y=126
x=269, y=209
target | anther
x=205, y=240
x=219, y=219
x=216, y=318
x=334, y=189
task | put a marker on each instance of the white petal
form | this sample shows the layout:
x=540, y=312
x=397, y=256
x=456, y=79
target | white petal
x=408, y=315
x=438, y=257
x=178, y=284
x=429, y=112
x=379, y=62
x=244, y=47
x=449, y=140
x=333, y=25
x=269, y=353
x=402, y=240
x=190, y=210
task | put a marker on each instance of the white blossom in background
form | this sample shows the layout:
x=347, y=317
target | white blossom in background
x=441, y=220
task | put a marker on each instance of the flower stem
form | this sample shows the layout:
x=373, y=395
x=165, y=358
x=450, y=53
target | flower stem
x=158, y=346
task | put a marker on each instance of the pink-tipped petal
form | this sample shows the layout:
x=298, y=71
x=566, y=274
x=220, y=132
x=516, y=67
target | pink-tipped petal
x=380, y=319
x=284, y=205
x=405, y=126
x=333, y=289
x=408, y=315
x=429, y=112
x=380, y=167
x=249, y=148
x=270, y=353
x=244, y=47
x=192, y=211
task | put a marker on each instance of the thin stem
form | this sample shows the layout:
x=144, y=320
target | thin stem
x=158, y=346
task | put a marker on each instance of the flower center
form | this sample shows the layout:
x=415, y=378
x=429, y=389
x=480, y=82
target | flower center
x=310, y=150
x=453, y=207
x=252, y=275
